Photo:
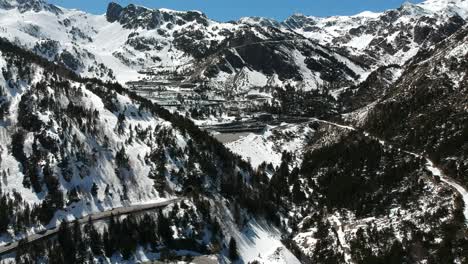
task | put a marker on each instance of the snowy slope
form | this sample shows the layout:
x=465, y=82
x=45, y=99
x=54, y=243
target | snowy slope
x=269, y=146
x=459, y=7
x=89, y=160
x=86, y=37
x=102, y=173
x=257, y=239
x=262, y=242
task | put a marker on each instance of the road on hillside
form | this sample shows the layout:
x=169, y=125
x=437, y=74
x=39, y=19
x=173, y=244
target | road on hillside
x=429, y=164
x=98, y=216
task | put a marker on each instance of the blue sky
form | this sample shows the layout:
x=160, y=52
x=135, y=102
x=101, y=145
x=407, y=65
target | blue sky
x=224, y=10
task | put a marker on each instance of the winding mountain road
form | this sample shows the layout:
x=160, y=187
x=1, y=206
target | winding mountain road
x=98, y=216
x=429, y=164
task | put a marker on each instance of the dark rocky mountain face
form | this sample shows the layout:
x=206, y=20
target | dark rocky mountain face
x=114, y=11
x=134, y=16
x=376, y=85
x=281, y=54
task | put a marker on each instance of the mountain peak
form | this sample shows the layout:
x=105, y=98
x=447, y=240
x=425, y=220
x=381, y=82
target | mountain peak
x=368, y=14
x=30, y=5
x=441, y=7
x=133, y=16
x=409, y=8
x=114, y=11
x=459, y=7
x=260, y=21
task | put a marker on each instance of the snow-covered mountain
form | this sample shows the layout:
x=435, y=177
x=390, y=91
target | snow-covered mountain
x=198, y=48
x=230, y=59
x=29, y=5
x=71, y=147
x=390, y=37
x=74, y=143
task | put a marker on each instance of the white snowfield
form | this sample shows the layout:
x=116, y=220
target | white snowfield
x=262, y=242
x=94, y=217
x=256, y=241
x=268, y=146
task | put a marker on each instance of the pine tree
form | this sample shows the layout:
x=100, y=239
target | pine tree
x=233, y=251
x=65, y=239
x=108, y=246
x=94, y=190
x=121, y=123
x=298, y=195
x=128, y=238
x=396, y=254
x=121, y=158
x=164, y=228
x=4, y=214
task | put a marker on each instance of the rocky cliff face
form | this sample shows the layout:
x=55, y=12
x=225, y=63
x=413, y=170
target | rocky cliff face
x=140, y=17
